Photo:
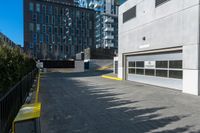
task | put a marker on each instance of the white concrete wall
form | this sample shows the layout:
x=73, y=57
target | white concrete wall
x=79, y=66
x=99, y=63
x=115, y=59
x=172, y=24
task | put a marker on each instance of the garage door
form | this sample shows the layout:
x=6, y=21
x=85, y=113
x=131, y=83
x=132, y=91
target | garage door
x=163, y=69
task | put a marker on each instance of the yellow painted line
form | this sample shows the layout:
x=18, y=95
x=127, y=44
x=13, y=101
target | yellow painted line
x=111, y=77
x=105, y=68
x=38, y=89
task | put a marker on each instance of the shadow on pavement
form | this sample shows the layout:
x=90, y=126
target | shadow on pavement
x=72, y=106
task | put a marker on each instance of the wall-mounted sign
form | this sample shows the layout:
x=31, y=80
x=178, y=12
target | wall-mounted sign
x=150, y=64
x=144, y=46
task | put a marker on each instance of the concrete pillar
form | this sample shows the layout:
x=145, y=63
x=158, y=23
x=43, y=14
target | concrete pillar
x=191, y=69
x=120, y=66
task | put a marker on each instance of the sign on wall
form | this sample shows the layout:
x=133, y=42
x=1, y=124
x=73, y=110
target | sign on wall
x=150, y=64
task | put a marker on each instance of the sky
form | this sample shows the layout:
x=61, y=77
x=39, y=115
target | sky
x=11, y=19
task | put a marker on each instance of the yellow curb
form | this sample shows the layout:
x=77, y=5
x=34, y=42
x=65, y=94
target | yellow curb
x=110, y=77
x=38, y=89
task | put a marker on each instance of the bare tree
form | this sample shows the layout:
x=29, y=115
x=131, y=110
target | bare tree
x=56, y=53
x=44, y=51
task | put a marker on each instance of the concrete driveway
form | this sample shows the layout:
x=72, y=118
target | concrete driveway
x=87, y=103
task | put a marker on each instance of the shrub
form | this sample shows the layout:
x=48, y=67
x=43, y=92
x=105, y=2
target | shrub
x=13, y=66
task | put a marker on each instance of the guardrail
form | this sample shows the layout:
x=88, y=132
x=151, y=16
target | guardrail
x=12, y=101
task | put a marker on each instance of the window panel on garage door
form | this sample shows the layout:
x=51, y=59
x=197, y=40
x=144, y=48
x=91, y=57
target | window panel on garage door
x=166, y=65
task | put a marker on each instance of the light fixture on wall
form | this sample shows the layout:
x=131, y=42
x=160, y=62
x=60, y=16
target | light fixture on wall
x=144, y=38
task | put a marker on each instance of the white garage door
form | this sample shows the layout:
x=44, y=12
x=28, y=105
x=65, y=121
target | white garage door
x=163, y=69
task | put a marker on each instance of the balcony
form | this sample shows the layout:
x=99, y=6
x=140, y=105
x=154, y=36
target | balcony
x=109, y=29
x=109, y=20
x=109, y=37
x=91, y=4
x=97, y=5
x=109, y=45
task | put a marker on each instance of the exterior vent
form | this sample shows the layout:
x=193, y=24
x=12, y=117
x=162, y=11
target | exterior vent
x=160, y=2
x=130, y=14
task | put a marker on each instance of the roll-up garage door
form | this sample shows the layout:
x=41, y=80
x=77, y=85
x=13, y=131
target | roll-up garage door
x=163, y=69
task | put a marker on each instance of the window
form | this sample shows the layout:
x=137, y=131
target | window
x=161, y=73
x=58, y=39
x=53, y=20
x=47, y=39
x=64, y=39
x=130, y=14
x=61, y=48
x=160, y=2
x=31, y=27
x=44, y=9
x=38, y=7
x=161, y=64
x=34, y=38
x=44, y=28
x=30, y=45
x=53, y=39
x=50, y=48
x=41, y=38
x=55, y=30
x=131, y=64
x=140, y=71
x=41, y=18
x=140, y=64
x=34, y=17
x=31, y=6
x=38, y=27
x=50, y=10
x=177, y=64
x=61, y=30
x=150, y=72
x=56, y=11
x=47, y=19
x=50, y=29
x=131, y=70
x=175, y=74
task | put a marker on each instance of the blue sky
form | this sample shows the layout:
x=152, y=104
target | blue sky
x=11, y=19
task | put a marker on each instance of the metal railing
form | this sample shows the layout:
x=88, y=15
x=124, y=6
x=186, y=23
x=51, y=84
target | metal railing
x=11, y=102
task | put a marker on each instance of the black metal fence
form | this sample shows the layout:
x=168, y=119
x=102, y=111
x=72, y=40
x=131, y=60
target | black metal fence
x=12, y=101
x=58, y=64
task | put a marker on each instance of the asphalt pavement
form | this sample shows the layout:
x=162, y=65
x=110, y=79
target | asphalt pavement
x=87, y=103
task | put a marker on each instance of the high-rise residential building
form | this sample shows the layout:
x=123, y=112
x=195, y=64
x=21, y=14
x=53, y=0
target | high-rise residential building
x=57, y=30
x=106, y=23
x=82, y=3
x=63, y=1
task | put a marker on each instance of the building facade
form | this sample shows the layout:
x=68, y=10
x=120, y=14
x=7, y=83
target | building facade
x=57, y=30
x=159, y=43
x=7, y=40
x=82, y=3
x=106, y=23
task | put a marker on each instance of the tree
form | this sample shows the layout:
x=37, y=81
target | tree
x=44, y=51
x=13, y=65
x=56, y=53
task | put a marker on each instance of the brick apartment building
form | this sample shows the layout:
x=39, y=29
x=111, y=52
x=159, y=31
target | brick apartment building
x=54, y=29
